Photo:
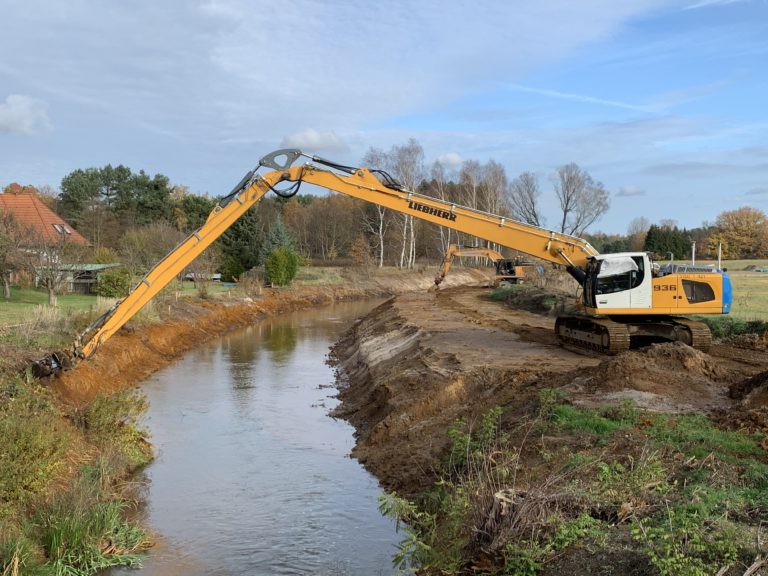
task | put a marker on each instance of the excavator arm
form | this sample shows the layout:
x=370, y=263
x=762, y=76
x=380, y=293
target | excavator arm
x=372, y=186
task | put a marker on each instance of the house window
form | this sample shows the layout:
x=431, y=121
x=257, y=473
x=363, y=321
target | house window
x=61, y=229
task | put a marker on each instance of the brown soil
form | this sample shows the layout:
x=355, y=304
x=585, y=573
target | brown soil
x=421, y=361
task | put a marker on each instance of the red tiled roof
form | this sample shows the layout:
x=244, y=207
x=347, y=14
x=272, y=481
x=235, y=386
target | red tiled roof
x=30, y=211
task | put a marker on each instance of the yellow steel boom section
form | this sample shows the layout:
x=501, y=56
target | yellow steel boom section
x=537, y=242
x=356, y=182
x=219, y=220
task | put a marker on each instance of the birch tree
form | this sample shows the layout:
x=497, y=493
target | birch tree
x=376, y=218
x=523, y=197
x=582, y=199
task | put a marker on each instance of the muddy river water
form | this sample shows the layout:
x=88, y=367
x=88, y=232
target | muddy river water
x=252, y=476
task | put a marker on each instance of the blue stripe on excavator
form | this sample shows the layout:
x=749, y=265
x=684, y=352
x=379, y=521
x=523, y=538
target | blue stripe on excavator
x=727, y=293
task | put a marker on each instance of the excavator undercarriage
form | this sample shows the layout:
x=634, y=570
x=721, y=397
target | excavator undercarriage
x=617, y=334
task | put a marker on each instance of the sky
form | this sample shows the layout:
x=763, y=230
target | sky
x=664, y=101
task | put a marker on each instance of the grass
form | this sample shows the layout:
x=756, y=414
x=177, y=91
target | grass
x=750, y=296
x=686, y=495
x=35, y=442
x=319, y=275
x=58, y=515
x=24, y=302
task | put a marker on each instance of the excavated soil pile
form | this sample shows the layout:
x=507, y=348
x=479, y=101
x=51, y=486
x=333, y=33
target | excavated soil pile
x=419, y=362
x=662, y=377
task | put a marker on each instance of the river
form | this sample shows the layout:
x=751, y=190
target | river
x=252, y=476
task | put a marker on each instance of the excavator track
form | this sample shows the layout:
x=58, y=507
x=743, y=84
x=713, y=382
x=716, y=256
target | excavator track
x=698, y=332
x=596, y=334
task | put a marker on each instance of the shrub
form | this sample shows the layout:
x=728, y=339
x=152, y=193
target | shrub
x=114, y=283
x=111, y=421
x=33, y=443
x=281, y=266
x=231, y=270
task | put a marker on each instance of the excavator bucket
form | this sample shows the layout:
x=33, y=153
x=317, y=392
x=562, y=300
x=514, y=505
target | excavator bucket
x=51, y=365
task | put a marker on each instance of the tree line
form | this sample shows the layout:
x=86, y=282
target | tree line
x=137, y=218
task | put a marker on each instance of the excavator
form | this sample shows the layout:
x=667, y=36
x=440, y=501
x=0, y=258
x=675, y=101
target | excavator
x=508, y=271
x=624, y=296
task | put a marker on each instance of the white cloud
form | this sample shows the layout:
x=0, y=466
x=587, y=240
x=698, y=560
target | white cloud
x=310, y=140
x=706, y=3
x=630, y=191
x=220, y=9
x=450, y=159
x=582, y=98
x=23, y=115
x=758, y=191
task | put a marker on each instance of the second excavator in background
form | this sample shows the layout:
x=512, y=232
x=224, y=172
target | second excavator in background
x=508, y=270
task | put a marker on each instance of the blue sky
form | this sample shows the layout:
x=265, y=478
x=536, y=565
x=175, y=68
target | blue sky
x=663, y=101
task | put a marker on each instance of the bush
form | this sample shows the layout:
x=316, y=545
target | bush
x=33, y=442
x=727, y=326
x=231, y=270
x=114, y=283
x=112, y=421
x=281, y=266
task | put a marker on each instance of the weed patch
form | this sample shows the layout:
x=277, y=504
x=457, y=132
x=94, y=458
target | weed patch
x=691, y=493
x=728, y=326
x=111, y=421
x=33, y=443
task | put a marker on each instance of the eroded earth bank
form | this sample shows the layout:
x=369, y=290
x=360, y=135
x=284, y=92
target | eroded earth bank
x=509, y=454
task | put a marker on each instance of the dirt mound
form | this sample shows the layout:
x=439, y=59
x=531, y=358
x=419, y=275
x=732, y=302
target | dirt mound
x=662, y=377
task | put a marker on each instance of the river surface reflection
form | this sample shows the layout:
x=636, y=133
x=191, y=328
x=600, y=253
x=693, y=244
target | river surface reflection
x=251, y=475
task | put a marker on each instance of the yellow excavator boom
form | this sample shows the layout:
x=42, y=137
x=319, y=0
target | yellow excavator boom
x=373, y=186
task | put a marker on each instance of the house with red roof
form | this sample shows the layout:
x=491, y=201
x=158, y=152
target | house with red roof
x=47, y=228
x=31, y=213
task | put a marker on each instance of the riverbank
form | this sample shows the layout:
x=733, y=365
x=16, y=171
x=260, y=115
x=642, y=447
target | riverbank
x=505, y=453
x=70, y=442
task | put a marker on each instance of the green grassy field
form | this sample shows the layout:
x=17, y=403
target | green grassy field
x=750, y=295
x=24, y=302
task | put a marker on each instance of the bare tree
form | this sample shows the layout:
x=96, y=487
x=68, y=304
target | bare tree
x=406, y=163
x=409, y=168
x=52, y=261
x=582, y=199
x=379, y=222
x=141, y=248
x=203, y=268
x=439, y=187
x=667, y=223
x=493, y=188
x=523, y=197
x=637, y=230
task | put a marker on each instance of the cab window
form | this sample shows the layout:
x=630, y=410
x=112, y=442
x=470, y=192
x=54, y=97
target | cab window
x=698, y=291
x=623, y=281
